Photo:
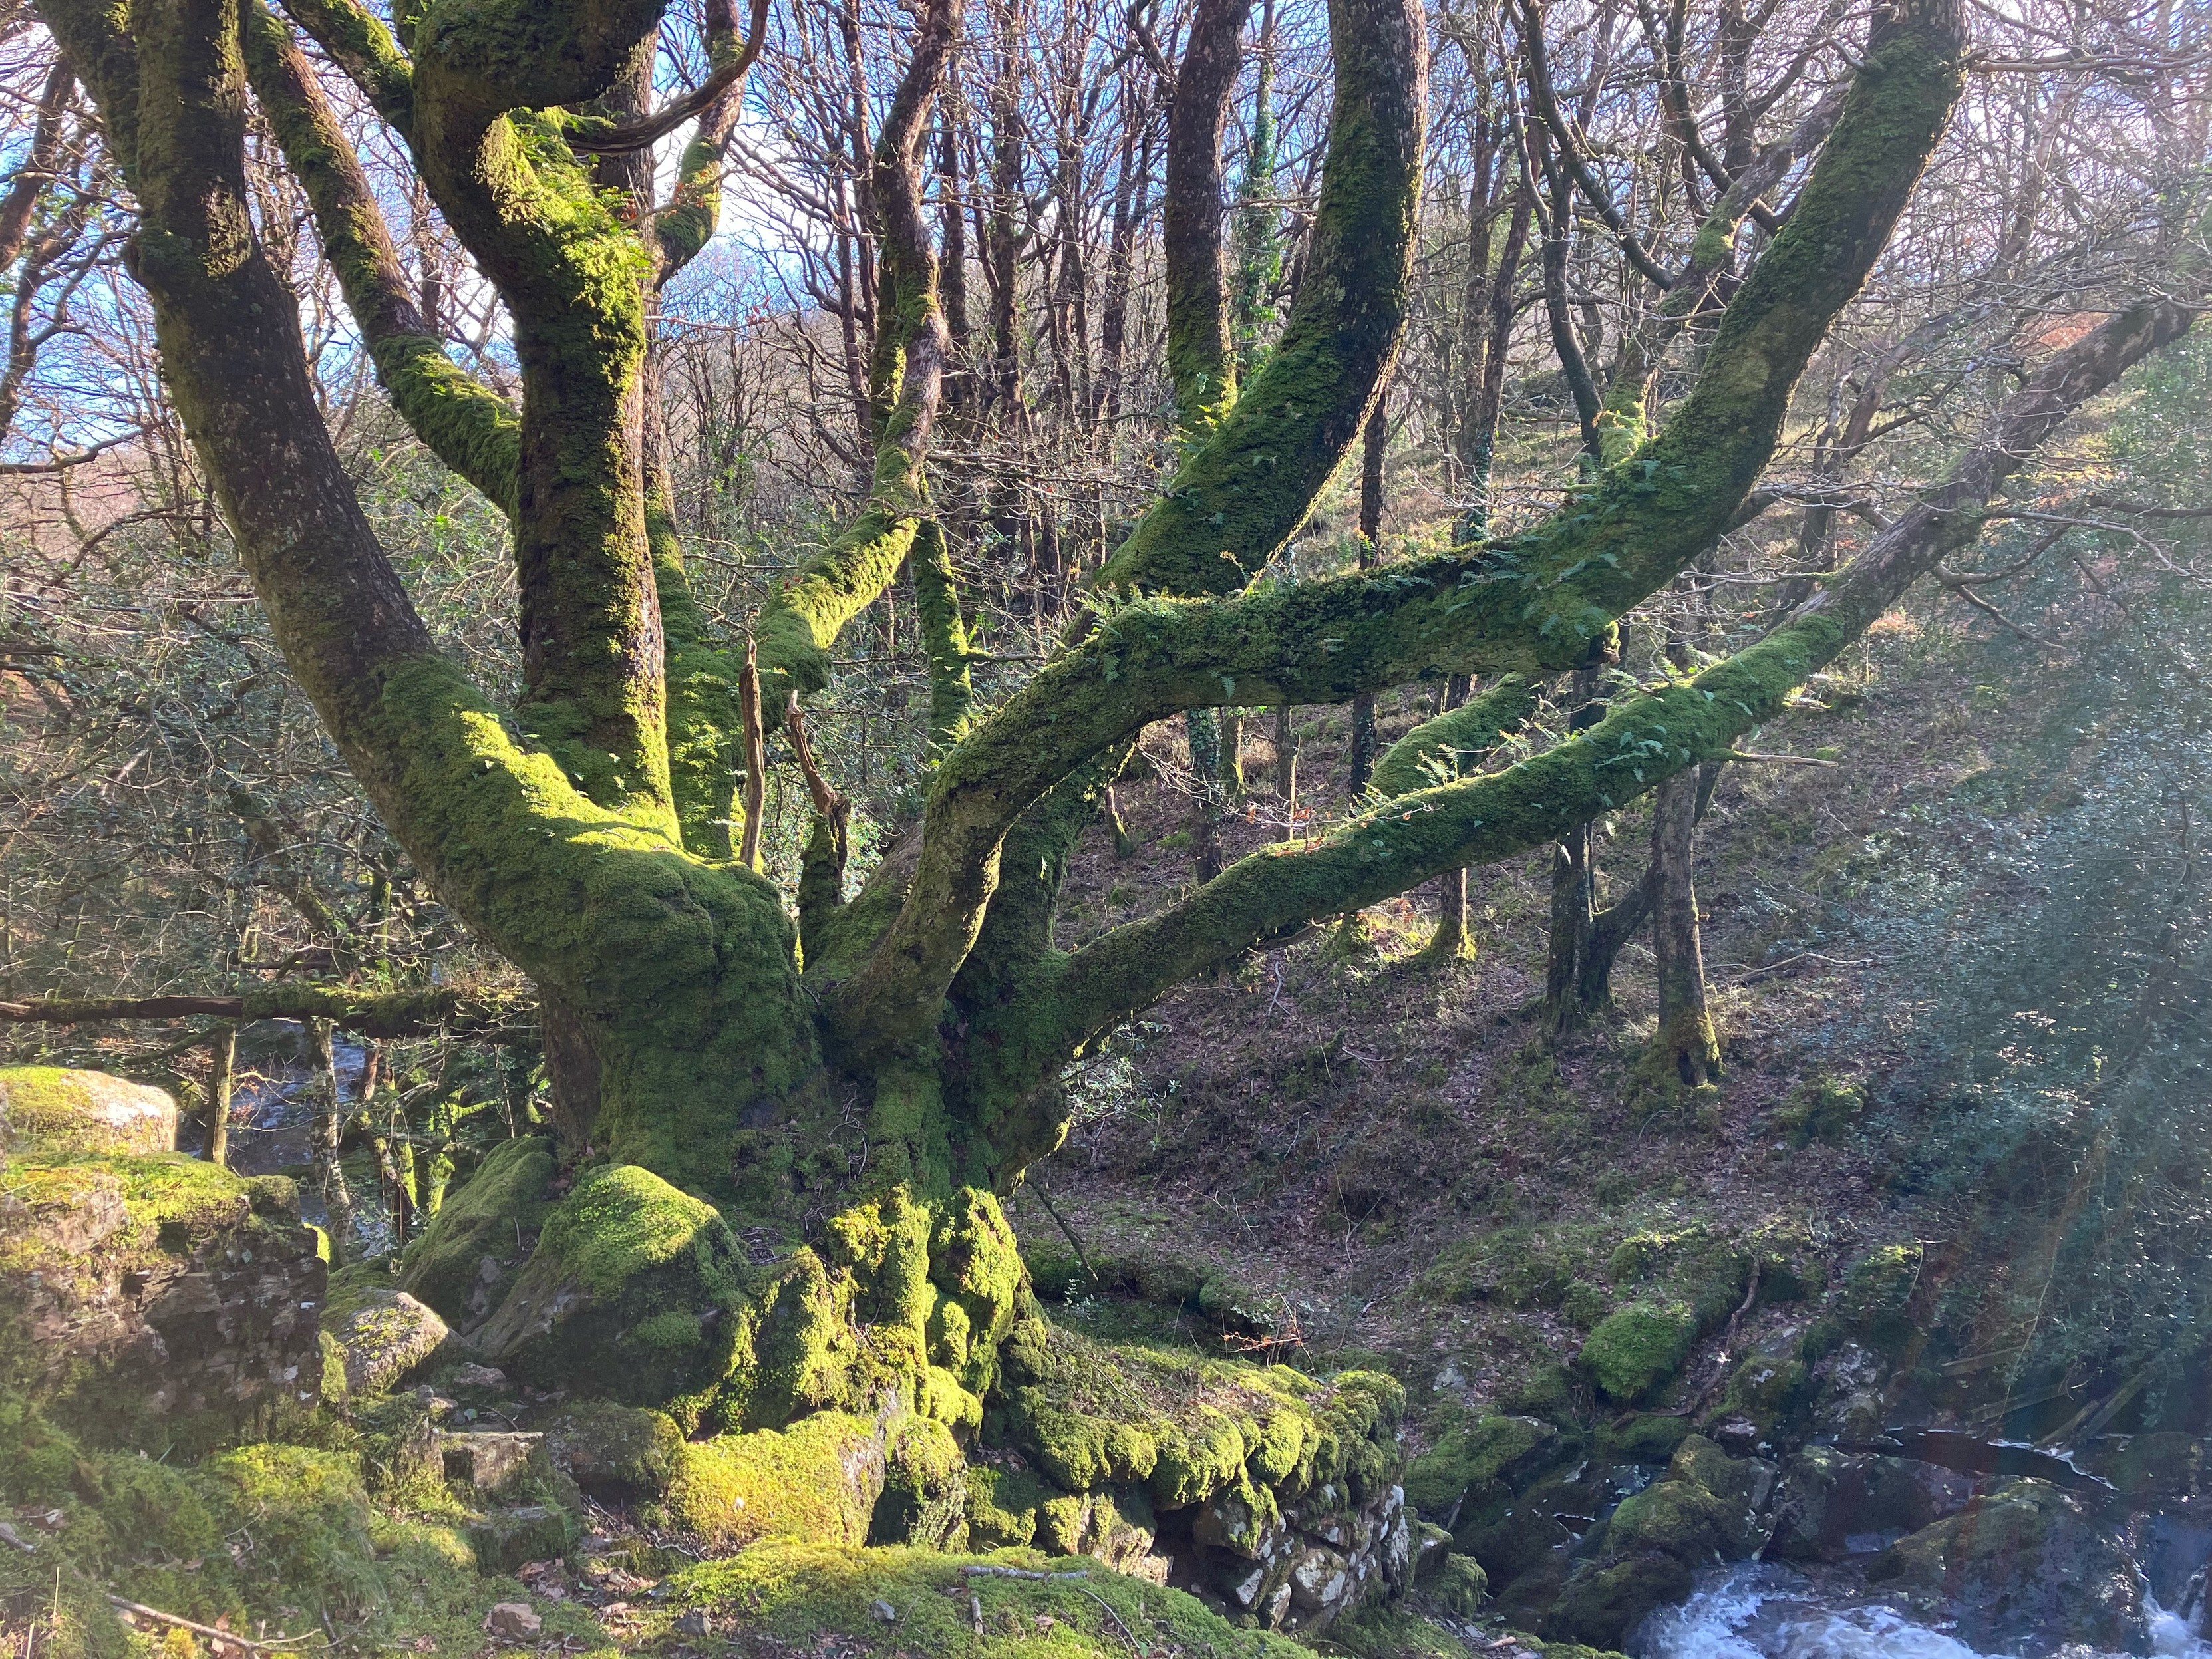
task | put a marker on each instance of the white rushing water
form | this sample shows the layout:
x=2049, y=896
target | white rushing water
x=1761, y=1611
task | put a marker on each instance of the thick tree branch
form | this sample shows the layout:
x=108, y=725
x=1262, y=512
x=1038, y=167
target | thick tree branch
x=1433, y=750
x=1237, y=500
x=467, y=425
x=804, y=617
x=1535, y=603
x=376, y=1014
x=1408, y=839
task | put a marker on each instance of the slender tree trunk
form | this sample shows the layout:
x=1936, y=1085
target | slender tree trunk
x=327, y=1134
x=1574, y=889
x=1202, y=726
x=1232, y=756
x=1376, y=439
x=1685, y=1043
x=1451, y=942
x=223, y=1064
x=1286, y=768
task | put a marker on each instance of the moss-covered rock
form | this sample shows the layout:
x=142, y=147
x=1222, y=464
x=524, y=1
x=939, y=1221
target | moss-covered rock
x=617, y=1454
x=1475, y=1465
x=58, y=1113
x=628, y=1294
x=384, y=1337
x=1635, y=1351
x=1875, y=1305
x=2023, y=1570
x=466, y=1257
x=156, y=1302
x=1651, y=1551
x=818, y=1480
x=925, y=1604
x=1459, y=1586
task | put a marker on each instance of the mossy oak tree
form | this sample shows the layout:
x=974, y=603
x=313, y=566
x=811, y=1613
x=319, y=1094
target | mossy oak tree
x=866, y=1073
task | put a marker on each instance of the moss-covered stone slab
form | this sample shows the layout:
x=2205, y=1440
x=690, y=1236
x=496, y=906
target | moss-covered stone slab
x=617, y=1454
x=818, y=1480
x=58, y=1112
x=158, y=1300
x=384, y=1337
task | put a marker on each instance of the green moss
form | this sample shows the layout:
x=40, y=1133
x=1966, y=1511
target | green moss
x=1003, y=1508
x=1876, y=1303
x=635, y=1290
x=1656, y=1542
x=1636, y=1351
x=1186, y=1428
x=485, y=1218
x=818, y=1480
x=1825, y=1108
x=812, y=1593
x=58, y=1113
x=1474, y=1463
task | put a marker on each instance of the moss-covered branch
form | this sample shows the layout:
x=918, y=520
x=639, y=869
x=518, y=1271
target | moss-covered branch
x=467, y=425
x=1201, y=355
x=804, y=617
x=1648, y=737
x=1539, y=602
x=356, y=40
x=1432, y=752
x=371, y=1013
x=1623, y=422
x=1238, y=497
x=943, y=639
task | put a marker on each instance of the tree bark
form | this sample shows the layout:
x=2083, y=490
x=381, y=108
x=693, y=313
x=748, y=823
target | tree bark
x=1685, y=1043
x=222, y=1062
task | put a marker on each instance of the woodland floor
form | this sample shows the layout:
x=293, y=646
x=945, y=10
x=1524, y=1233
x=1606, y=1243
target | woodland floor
x=1327, y=1118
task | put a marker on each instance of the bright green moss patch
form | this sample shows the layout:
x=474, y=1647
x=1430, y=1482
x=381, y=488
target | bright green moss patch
x=1635, y=1349
x=485, y=1218
x=818, y=1480
x=1471, y=1459
x=813, y=1593
x=635, y=1290
x=1188, y=1427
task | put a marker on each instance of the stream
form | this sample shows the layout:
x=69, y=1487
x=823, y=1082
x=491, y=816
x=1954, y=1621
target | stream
x=1761, y=1610
x=272, y=1119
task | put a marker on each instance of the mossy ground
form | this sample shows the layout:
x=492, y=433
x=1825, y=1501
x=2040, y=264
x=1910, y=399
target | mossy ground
x=805, y=1592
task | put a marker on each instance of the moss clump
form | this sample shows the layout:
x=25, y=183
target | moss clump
x=468, y=1254
x=1635, y=1349
x=1473, y=1464
x=1187, y=1428
x=925, y=1497
x=61, y=1113
x=626, y=1294
x=924, y=1604
x=819, y=1480
x=1003, y=1507
x=1825, y=1108
x=1877, y=1296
